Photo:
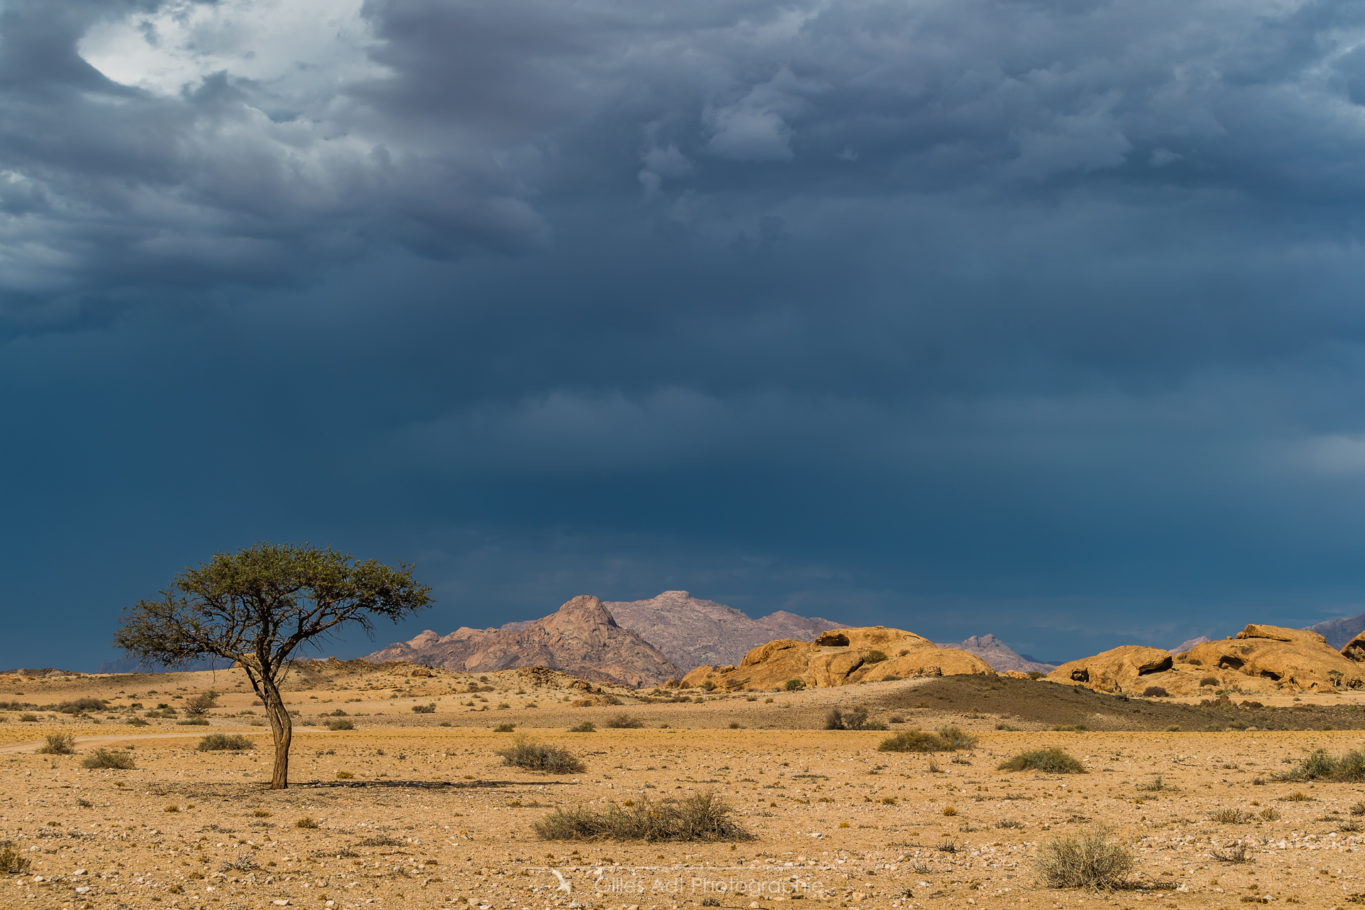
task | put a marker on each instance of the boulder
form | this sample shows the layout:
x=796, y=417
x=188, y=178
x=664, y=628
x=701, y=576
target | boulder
x=840, y=657
x=1355, y=648
x=1116, y=670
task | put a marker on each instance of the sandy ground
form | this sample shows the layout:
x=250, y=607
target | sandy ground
x=418, y=810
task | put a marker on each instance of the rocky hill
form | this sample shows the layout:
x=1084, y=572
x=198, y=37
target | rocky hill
x=581, y=638
x=692, y=632
x=838, y=657
x=1339, y=631
x=1260, y=659
x=999, y=655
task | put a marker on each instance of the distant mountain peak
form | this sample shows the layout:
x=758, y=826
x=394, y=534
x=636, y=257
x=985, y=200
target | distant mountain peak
x=999, y=655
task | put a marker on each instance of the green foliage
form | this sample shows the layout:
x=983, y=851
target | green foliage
x=947, y=739
x=58, y=744
x=256, y=606
x=223, y=742
x=793, y=685
x=1349, y=768
x=1051, y=760
x=541, y=757
x=700, y=817
x=1090, y=860
x=108, y=758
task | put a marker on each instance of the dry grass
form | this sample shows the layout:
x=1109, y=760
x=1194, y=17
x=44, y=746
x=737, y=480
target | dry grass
x=1051, y=760
x=541, y=757
x=223, y=742
x=12, y=862
x=700, y=817
x=1349, y=768
x=108, y=758
x=947, y=739
x=58, y=744
x=1090, y=860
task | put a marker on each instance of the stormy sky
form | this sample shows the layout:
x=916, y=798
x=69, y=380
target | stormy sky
x=1034, y=318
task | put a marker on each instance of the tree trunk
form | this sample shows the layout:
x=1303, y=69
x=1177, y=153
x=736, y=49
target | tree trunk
x=282, y=727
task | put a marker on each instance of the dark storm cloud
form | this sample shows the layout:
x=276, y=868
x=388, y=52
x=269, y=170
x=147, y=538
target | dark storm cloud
x=1024, y=310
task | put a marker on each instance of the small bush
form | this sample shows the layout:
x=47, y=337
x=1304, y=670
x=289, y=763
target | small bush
x=624, y=722
x=504, y=728
x=58, y=744
x=12, y=862
x=792, y=685
x=28, y=718
x=429, y=708
x=107, y=758
x=541, y=757
x=1236, y=854
x=340, y=725
x=1090, y=860
x=947, y=739
x=306, y=822
x=851, y=719
x=193, y=722
x=1349, y=768
x=83, y=706
x=586, y=727
x=1052, y=760
x=874, y=657
x=1232, y=816
x=201, y=703
x=700, y=817
x=1155, y=692
x=223, y=742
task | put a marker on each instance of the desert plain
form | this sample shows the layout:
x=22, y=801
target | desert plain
x=414, y=806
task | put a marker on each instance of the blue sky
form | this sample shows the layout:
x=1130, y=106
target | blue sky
x=1040, y=319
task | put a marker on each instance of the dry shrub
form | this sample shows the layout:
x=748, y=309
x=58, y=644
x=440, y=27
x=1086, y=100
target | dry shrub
x=1155, y=692
x=1089, y=860
x=1232, y=816
x=947, y=739
x=624, y=722
x=1052, y=760
x=58, y=744
x=340, y=725
x=108, y=758
x=700, y=817
x=1349, y=768
x=541, y=757
x=12, y=862
x=223, y=742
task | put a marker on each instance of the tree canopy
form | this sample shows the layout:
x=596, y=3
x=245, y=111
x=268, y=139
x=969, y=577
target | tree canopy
x=256, y=606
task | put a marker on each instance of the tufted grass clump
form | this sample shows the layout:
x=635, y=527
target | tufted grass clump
x=12, y=862
x=535, y=756
x=947, y=739
x=1051, y=760
x=624, y=722
x=108, y=758
x=58, y=744
x=1349, y=768
x=699, y=817
x=1089, y=860
x=340, y=725
x=223, y=742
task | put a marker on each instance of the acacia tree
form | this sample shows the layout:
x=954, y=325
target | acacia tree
x=255, y=606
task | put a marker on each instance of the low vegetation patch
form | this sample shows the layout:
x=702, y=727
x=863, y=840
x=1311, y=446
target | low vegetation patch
x=108, y=758
x=428, y=708
x=340, y=725
x=82, y=706
x=851, y=719
x=1089, y=860
x=624, y=722
x=1349, y=768
x=700, y=817
x=12, y=862
x=947, y=739
x=586, y=727
x=504, y=728
x=58, y=744
x=224, y=742
x=541, y=757
x=1051, y=760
